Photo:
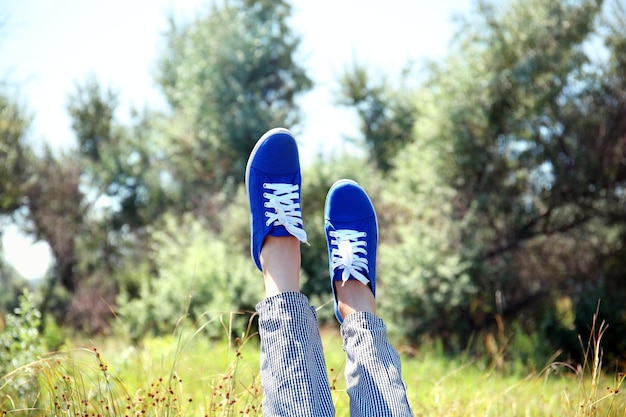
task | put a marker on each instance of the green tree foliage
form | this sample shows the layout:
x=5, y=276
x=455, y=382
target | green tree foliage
x=78, y=289
x=199, y=277
x=12, y=284
x=14, y=154
x=424, y=281
x=508, y=202
x=120, y=163
x=21, y=344
x=43, y=195
x=229, y=75
x=387, y=114
x=56, y=211
x=14, y=180
x=117, y=192
x=534, y=126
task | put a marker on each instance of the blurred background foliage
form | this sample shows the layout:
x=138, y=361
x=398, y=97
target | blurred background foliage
x=498, y=173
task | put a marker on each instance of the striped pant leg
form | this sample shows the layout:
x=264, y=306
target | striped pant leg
x=293, y=369
x=373, y=374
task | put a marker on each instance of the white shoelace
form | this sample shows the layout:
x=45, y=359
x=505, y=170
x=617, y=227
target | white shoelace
x=349, y=254
x=282, y=198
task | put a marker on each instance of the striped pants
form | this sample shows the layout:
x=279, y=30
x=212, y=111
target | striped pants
x=293, y=369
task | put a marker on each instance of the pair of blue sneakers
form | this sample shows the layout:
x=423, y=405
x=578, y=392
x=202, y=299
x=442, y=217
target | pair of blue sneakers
x=273, y=183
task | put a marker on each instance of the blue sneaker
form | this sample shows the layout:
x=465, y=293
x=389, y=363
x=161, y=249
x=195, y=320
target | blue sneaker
x=352, y=236
x=273, y=183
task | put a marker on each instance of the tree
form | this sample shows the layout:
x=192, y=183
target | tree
x=387, y=114
x=536, y=130
x=507, y=202
x=424, y=280
x=121, y=193
x=56, y=212
x=15, y=157
x=222, y=98
x=228, y=76
x=45, y=191
x=120, y=163
x=14, y=154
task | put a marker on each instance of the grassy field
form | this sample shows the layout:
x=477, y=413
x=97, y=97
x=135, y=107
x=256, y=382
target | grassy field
x=190, y=375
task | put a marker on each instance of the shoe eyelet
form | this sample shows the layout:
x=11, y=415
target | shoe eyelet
x=266, y=195
x=265, y=185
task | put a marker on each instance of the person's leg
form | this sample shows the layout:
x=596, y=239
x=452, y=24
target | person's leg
x=293, y=370
x=373, y=371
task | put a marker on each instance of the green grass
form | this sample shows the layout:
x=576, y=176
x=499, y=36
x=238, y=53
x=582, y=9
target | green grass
x=441, y=386
x=190, y=375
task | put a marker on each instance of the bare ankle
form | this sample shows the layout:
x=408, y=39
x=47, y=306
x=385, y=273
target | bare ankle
x=280, y=260
x=353, y=296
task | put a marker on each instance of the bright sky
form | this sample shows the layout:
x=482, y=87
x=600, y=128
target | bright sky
x=48, y=46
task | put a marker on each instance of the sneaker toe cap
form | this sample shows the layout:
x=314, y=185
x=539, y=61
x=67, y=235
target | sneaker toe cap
x=278, y=154
x=348, y=202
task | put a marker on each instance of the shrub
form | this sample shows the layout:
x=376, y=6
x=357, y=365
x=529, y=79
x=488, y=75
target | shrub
x=199, y=277
x=20, y=346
